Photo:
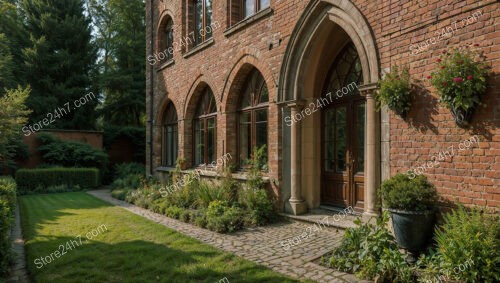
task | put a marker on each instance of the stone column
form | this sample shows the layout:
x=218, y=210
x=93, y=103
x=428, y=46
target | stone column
x=372, y=162
x=297, y=203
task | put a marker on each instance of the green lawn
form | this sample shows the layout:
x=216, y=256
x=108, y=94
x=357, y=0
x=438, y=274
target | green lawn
x=128, y=248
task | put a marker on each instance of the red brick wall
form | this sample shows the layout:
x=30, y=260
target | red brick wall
x=470, y=176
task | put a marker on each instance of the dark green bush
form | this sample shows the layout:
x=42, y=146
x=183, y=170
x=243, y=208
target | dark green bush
x=7, y=206
x=406, y=193
x=125, y=169
x=70, y=153
x=30, y=179
x=467, y=246
x=369, y=250
x=258, y=206
x=222, y=218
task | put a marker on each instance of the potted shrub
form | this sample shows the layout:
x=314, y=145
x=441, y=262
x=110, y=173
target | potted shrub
x=461, y=81
x=411, y=203
x=395, y=91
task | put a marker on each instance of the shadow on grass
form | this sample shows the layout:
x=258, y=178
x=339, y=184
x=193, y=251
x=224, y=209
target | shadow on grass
x=139, y=261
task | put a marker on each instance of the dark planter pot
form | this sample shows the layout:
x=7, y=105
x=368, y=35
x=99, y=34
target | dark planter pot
x=413, y=229
x=462, y=117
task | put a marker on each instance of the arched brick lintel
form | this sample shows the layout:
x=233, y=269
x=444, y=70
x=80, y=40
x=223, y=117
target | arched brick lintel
x=202, y=79
x=248, y=57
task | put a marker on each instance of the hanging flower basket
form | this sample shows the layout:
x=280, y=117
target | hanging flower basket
x=395, y=92
x=461, y=81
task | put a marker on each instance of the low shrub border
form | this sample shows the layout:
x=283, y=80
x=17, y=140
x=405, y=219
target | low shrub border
x=7, y=206
x=39, y=180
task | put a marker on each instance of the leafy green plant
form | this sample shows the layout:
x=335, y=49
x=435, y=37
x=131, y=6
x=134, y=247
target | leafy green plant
x=395, y=91
x=467, y=247
x=461, y=79
x=223, y=218
x=258, y=206
x=370, y=251
x=257, y=163
x=209, y=191
x=174, y=212
x=405, y=193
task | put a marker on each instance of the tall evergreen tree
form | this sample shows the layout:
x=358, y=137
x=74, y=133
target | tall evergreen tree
x=60, y=59
x=120, y=29
x=13, y=40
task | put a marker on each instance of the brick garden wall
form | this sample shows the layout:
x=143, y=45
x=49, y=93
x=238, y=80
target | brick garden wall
x=469, y=175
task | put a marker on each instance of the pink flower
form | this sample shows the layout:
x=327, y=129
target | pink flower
x=445, y=83
x=438, y=60
x=470, y=77
x=429, y=77
x=442, y=67
x=458, y=80
x=444, y=51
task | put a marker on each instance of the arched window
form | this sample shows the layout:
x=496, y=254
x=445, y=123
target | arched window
x=253, y=115
x=167, y=40
x=205, y=129
x=169, y=137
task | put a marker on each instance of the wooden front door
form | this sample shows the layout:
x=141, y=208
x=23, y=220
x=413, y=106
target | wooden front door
x=343, y=134
x=343, y=154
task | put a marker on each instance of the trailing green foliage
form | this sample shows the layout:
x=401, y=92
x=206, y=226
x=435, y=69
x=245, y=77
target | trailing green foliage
x=70, y=153
x=395, y=91
x=370, y=251
x=467, y=246
x=7, y=207
x=406, y=193
x=39, y=180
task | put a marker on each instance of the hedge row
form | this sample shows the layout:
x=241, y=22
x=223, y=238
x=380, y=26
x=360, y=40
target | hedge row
x=39, y=180
x=7, y=206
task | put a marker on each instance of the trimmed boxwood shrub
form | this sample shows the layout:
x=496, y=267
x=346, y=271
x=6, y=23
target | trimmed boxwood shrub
x=38, y=180
x=7, y=206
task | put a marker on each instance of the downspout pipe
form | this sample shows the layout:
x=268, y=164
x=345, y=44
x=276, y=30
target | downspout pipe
x=151, y=89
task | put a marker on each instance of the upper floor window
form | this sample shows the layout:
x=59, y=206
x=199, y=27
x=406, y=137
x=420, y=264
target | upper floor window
x=241, y=9
x=253, y=116
x=205, y=129
x=168, y=40
x=202, y=19
x=169, y=137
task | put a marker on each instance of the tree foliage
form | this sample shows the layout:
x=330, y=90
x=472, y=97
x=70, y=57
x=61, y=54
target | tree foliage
x=120, y=33
x=60, y=59
x=13, y=115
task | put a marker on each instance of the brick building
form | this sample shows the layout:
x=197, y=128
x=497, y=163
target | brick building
x=229, y=75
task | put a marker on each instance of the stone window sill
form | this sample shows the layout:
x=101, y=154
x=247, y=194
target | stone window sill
x=166, y=65
x=199, y=47
x=211, y=172
x=247, y=21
